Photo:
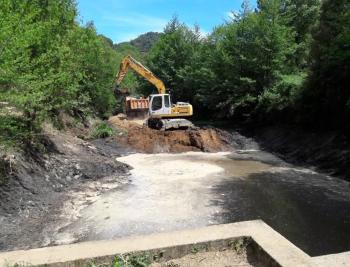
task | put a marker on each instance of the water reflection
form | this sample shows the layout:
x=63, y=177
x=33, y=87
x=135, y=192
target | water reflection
x=311, y=210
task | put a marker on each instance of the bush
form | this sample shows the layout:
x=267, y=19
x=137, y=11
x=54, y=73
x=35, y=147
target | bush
x=102, y=130
x=283, y=95
x=16, y=132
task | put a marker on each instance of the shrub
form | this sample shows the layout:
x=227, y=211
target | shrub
x=102, y=130
x=16, y=132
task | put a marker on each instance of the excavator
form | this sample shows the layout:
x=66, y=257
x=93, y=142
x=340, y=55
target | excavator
x=162, y=113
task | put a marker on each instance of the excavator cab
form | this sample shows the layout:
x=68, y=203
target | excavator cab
x=164, y=115
x=159, y=105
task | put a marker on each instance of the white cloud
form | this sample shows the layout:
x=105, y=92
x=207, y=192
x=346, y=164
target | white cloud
x=231, y=15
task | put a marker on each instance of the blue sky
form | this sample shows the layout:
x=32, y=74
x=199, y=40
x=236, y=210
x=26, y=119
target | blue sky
x=123, y=20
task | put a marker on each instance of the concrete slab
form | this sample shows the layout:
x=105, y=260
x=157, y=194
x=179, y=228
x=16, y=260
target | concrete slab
x=339, y=260
x=283, y=252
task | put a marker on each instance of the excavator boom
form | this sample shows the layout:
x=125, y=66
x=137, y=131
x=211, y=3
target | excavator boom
x=130, y=62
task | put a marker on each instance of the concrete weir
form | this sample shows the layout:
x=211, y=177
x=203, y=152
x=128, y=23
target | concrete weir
x=270, y=247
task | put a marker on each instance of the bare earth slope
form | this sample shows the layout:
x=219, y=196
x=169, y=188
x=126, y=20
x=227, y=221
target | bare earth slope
x=40, y=183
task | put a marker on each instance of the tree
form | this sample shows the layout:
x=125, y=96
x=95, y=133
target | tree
x=172, y=59
x=49, y=63
x=251, y=55
x=302, y=16
x=144, y=42
x=327, y=96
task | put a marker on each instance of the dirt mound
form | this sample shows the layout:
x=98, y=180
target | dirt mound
x=143, y=139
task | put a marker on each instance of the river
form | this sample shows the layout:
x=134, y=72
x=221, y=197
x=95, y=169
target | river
x=180, y=191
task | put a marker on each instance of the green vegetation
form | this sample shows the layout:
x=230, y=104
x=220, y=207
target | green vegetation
x=128, y=260
x=131, y=81
x=145, y=41
x=240, y=245
x=283, y=61
x=199, y=248
x=253, y=67
x=49, y=64
x=17, y=131
x=327, y=98
x=102, y=130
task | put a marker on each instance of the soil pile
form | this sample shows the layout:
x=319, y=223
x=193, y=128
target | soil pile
x=143, y=139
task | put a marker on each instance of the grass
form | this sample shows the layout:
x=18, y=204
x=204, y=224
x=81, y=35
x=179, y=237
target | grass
x=198, y=248
x=139, y=260
x=240, y=245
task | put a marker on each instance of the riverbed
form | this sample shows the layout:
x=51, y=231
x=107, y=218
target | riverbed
x=169, y=192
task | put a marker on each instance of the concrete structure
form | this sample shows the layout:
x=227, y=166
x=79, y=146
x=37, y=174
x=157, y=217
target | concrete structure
x=337, y=260
x=280, y=251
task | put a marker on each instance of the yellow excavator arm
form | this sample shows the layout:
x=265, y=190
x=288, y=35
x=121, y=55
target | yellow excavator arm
x=130, y=62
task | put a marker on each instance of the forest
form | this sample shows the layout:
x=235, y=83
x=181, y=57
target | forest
x=279, y=62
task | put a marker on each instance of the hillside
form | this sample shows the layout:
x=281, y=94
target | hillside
x=143, y=43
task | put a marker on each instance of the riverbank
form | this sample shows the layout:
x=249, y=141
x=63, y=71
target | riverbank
x=327, y=152
x=43, y=190
x=36, y=196
x=324, y=151
x=71, y=192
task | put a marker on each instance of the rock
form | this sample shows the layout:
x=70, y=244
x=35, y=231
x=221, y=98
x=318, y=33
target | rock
x=121, y=116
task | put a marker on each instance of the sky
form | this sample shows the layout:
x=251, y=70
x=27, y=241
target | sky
x=124, y=20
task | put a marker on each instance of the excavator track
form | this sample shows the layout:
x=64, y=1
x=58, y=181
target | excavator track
x=168, y=124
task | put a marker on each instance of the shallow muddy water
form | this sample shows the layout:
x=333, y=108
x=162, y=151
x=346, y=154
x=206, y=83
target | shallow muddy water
x=178, y=191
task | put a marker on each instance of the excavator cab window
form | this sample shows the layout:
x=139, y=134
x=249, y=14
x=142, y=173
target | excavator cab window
x=167, y=101
x=157, y=103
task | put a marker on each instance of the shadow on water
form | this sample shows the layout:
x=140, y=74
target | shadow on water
x=307, y=208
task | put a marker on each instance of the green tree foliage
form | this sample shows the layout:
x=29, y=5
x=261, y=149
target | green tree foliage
x=229, y=71
x=274, y=61
x=144, y=42
x=302, y=17
x=175, y=59
x=49, y=64
x=258, y=45
x=327, y=94
x=131, y=80
x=252, y=66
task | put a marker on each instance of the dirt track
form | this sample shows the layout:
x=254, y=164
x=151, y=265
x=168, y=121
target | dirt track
x=144, y=139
